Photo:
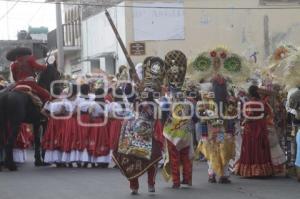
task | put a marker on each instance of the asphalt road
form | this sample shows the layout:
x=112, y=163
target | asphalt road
x=63, y=183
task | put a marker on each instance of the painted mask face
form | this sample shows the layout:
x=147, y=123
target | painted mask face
x=176, y=64
x=154, y=73
x=156, y=68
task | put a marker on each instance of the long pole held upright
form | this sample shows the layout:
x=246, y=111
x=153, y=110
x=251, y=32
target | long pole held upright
x=132, y=71
x=59, y=36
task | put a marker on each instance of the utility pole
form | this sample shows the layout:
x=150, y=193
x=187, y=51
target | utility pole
x=59, y=38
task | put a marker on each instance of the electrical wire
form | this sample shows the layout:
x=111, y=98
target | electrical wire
x=273, y=7
x=9, y=10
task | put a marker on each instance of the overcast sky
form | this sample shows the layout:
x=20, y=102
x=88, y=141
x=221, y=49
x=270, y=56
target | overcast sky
x=24, y=15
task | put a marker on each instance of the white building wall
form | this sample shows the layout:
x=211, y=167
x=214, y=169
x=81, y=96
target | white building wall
x=240, y=30
x=99, y=39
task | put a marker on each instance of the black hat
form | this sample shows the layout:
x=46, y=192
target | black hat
x=13, y=54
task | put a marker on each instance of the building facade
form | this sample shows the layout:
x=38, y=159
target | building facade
x=243, y=26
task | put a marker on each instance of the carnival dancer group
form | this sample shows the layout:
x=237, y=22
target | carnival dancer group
x=175, y=114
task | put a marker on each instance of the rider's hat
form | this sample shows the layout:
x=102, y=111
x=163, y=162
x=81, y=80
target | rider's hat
x=18, y=52
x=24, y=54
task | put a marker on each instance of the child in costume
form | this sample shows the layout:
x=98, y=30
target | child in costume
x=178, y=126
x=141, y=139
x=51, y=142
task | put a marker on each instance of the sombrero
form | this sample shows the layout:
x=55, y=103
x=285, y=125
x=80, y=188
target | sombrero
x=13, y=54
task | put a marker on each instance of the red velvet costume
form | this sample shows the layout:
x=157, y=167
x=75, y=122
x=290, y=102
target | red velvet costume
x=23, y=71
x=178, y=158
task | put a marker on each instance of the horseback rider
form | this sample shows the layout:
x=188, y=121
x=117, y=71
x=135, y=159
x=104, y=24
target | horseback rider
x=24, y=68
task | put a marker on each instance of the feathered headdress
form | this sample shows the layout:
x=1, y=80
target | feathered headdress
x=287, y=71
x=220, y=61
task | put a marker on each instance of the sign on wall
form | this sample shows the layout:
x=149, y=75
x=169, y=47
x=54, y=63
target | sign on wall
x=137, y=48
x=159, y=22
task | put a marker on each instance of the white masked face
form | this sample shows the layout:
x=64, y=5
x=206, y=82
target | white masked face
x=155, y=68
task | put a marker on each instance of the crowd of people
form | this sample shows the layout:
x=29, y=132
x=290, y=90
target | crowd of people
x=235, y=130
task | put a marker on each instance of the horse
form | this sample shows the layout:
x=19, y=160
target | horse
x=18, y=107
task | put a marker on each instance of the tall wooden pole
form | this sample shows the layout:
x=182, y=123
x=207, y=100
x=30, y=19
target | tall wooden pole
x=132, y=70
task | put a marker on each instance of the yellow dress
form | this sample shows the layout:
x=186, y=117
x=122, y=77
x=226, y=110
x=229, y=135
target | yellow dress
x=218, y=146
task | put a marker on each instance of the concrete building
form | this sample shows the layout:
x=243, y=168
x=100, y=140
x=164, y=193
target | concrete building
x=243, y=26
x=73, y=13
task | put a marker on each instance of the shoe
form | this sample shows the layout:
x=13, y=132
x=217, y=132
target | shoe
x=224, y=180
x=70, y=165
x=134, y=192
x=151, y=189
x=175, y=186
x=85, y=165
x=212, y=179
x=187, y=183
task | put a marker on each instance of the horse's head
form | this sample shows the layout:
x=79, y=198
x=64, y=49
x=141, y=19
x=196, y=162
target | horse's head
x=49, y=75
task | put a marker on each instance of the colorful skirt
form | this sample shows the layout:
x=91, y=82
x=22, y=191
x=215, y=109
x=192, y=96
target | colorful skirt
x=115, y=126
x=51, y=142
x=255, y=160
x=218, y=148
x=23, y=142
x=98, y=146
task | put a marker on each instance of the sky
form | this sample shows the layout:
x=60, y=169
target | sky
x=24, y=15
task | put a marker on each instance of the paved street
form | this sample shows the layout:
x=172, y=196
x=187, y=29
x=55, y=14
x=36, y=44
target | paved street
x=54, y=183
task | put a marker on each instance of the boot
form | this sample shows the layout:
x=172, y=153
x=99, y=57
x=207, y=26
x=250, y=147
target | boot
x=224, y=180
x=85, y=165
x=176, y=186
x=187, y=183
x=134, y=192
x=212, y=179
x=11, y=166
x=151, y=189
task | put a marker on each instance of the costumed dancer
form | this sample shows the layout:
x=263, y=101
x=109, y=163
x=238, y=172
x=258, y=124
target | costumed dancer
x=217, y=140
x=117, y=111
x=255, y=160
x=141, y=140
x=218, y=113
x=277, y=154
x=51, y=142
x=99, y=147
x=293, y=105
x=178, y=126
x=23, y=142
x=286, y=72
x=82, y=104
x=70, y=136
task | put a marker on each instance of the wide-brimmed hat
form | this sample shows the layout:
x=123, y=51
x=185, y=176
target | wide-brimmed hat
x=17, y=52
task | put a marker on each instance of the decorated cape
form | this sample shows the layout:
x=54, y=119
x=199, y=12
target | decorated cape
x=137, y=159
